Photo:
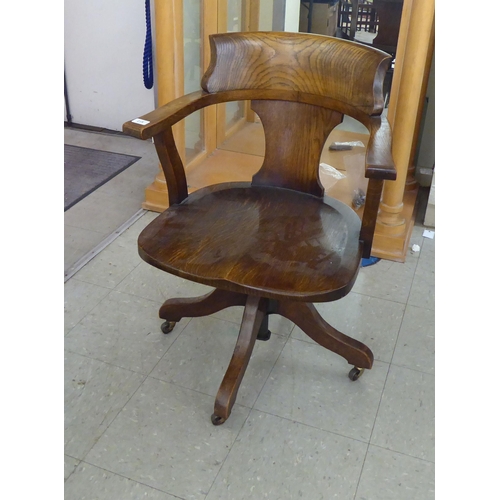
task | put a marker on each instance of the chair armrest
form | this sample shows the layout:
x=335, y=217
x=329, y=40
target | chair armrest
x=162, y=118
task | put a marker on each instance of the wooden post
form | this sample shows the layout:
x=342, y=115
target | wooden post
x=415, y=45
x=169, y=84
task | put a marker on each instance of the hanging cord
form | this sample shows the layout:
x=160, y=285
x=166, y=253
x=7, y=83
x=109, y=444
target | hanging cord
x=147, y=62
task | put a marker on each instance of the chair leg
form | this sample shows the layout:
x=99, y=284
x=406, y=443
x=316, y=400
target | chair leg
x=255, y=310
x=309, y=320
x=174, y=310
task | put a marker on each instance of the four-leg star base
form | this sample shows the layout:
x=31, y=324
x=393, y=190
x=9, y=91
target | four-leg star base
x=254, y=326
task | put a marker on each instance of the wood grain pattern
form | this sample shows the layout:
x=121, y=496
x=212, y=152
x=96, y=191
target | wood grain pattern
x=265, y=241
x=318, y=65
x=212, y=302
x=172, y=166
x=292, y=156
x=226, y=396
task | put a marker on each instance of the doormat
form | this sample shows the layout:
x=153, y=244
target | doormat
x=86, y=169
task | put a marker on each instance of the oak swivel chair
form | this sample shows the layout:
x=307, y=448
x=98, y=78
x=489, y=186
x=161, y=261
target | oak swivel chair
x=276, y=244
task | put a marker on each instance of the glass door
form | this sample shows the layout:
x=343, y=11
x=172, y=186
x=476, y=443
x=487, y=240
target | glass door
x=234, y=16
x=194, y=140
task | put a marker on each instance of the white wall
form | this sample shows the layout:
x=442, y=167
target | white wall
x=104, y=44
x=292, y=15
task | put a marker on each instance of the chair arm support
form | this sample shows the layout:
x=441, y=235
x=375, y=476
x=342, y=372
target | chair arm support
x=379, y=167
x=379, y=162
x=167, y=115
x=370, y=213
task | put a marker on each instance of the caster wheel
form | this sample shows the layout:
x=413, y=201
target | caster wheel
x=355, y=373
x=216, y=420
x=168, y=326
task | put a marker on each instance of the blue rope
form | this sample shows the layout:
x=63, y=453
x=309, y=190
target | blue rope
x=147, y=62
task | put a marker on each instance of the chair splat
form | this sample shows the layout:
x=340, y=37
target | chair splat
x=295, y=135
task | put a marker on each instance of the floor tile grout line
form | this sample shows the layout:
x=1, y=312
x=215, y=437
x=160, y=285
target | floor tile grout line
x=402, y=454
x=376, y=413
x=383, y=389
x=114, y=418
x=110, y=290
x=114, y=364
x=78, y=460
x=311, y=426
x=386, y=378
x=130, y=479
x=168, y=349
x=145, y=377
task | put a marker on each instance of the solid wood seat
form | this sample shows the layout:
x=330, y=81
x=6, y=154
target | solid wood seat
x=276, y=244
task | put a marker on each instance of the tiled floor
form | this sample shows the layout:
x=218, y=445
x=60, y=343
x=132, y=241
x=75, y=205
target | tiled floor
x=138, y=402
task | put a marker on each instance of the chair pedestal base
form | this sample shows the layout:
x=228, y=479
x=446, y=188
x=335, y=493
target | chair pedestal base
x=254, y=326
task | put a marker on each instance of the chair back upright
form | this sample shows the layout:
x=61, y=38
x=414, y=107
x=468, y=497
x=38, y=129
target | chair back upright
x=300, y=88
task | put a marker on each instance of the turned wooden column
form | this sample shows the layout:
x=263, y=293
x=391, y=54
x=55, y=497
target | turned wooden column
x=169, y=82
x=414, y=51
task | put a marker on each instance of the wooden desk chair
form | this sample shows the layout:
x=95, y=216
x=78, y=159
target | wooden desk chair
x=276, y=244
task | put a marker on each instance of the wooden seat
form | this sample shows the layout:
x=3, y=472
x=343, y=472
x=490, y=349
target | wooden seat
x=276, y=244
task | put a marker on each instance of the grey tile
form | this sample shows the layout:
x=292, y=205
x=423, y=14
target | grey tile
x=94, y=393
x=199, y=359
x=422, y=293
x=79, y=299
x=387, y=279
x=391, y=476
x=91, y=483
x=309, y=384
x=111, y=265
x=101, y=212
x=133, y=181
x=151, y=283
x=276, y=459
x=415, y=346
x=78, y=242
x=405, y=421
x=373, y=321
x=429, y=244
x=70, y=465
x=164, y=438
x=119, y=258
x=417, y=235
x=132, y=233
x=123, y=330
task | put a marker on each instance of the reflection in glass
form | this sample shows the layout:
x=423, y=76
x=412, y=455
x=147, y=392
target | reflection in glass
x=234, y=110
x=192, y=75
